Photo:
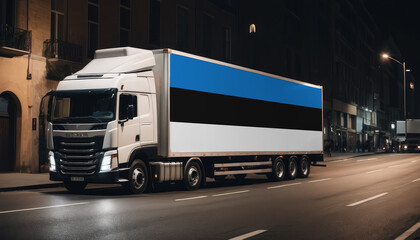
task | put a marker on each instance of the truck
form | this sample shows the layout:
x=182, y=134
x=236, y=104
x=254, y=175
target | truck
x=412, y=142
x=144, y=117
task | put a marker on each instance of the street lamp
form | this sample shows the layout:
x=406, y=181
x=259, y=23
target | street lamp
x=386, y=56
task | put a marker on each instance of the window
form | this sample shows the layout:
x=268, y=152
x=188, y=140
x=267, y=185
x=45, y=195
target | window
x=127, y=101
x=7, y=13
x=154, y=20
x=93, y=27
x=58, y=20
x=226, y=44
x=125, y=22
x=182, y=28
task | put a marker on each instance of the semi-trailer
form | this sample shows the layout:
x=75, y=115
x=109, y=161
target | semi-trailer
x=143, y=117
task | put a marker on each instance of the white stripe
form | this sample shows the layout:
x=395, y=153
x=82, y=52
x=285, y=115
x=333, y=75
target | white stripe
x=191, y=198
x=188, y=137
x=46, y=207
x=367, y=159
x=342, y=160
x=285, y=185
x=230, y=193
x=418, y=179
x=410, y=231
x=367, y=199
x=248, y=235
x=320, y=180
x=375, y=171
x=414, y=161
x=398, y=165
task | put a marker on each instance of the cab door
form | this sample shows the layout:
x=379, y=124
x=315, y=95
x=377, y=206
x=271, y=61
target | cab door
x=128, y=125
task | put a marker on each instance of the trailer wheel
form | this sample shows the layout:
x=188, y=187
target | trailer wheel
x=192, y=176
x=75, y=187
x=291, y=168
x=138, y=177
x=278, y=170
x=304, y=167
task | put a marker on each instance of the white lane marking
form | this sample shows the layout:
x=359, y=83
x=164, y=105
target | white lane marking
x=191, y=198
x=342, y=160
x=414, y=161
x=367, y=159
x=410, y=231
x=418, y=179
x=367, y=199
x=319, y=180
x=230, y=193
x=46, y=207
x=248, y=235
x=398, y=165
x=285, y=185
x=374, y=171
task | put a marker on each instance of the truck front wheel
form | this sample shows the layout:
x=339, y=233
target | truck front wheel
x=138, y=177
x=75, y=187
x=192, y=176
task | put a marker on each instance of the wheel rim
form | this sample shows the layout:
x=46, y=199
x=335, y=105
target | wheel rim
x=304, y=166
x=138, y=178
x=292, y=168
x=193, y=176
x=279, y=169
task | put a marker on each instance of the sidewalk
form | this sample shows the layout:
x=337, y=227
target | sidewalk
x=338, y=156
x=25, y=181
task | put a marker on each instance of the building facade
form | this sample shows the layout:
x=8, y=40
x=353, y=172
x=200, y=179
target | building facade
x=42, y=41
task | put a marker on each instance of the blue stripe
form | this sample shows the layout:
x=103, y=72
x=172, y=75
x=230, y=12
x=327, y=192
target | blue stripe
x=193, y=74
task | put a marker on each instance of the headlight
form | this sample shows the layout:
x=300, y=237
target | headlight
x=418, y=147
x=405, y=146
x=110, y=161
x=52, y=161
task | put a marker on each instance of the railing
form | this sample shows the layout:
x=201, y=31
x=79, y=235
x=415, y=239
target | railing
x=54, y=48
x=15, y=38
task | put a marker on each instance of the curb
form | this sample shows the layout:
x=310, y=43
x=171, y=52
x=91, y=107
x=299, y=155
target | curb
x=355, y=156
x=31, y=187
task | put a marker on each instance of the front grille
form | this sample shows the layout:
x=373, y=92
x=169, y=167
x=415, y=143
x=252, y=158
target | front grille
x=78, y=156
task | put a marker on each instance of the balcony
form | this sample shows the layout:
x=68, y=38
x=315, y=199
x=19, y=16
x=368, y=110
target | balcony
x=14, y=41
x=62, y=50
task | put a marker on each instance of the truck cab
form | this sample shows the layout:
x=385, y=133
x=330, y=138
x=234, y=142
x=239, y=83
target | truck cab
x=99, y=116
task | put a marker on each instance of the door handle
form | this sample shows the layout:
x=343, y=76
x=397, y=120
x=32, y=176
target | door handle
x=137, y=137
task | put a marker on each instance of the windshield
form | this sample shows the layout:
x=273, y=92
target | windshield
x=83, y=106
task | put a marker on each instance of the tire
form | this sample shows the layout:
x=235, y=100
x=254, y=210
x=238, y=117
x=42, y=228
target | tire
x=138, y=178
x=192, y=176
x=75, y=187
x=304, y=167
x=291, y=168
x=278, y=170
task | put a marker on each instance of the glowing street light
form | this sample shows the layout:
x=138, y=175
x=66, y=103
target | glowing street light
x=386, y=56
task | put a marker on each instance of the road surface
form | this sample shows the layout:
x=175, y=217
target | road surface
x=371, y=197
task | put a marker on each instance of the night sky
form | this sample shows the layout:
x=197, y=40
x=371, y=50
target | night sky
x=401, y=20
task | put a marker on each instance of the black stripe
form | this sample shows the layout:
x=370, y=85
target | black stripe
x=201, y=107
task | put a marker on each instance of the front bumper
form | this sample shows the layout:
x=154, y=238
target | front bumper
x=105, y=177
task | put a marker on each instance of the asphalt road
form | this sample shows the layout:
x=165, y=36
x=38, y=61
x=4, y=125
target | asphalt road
x=374, y=197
